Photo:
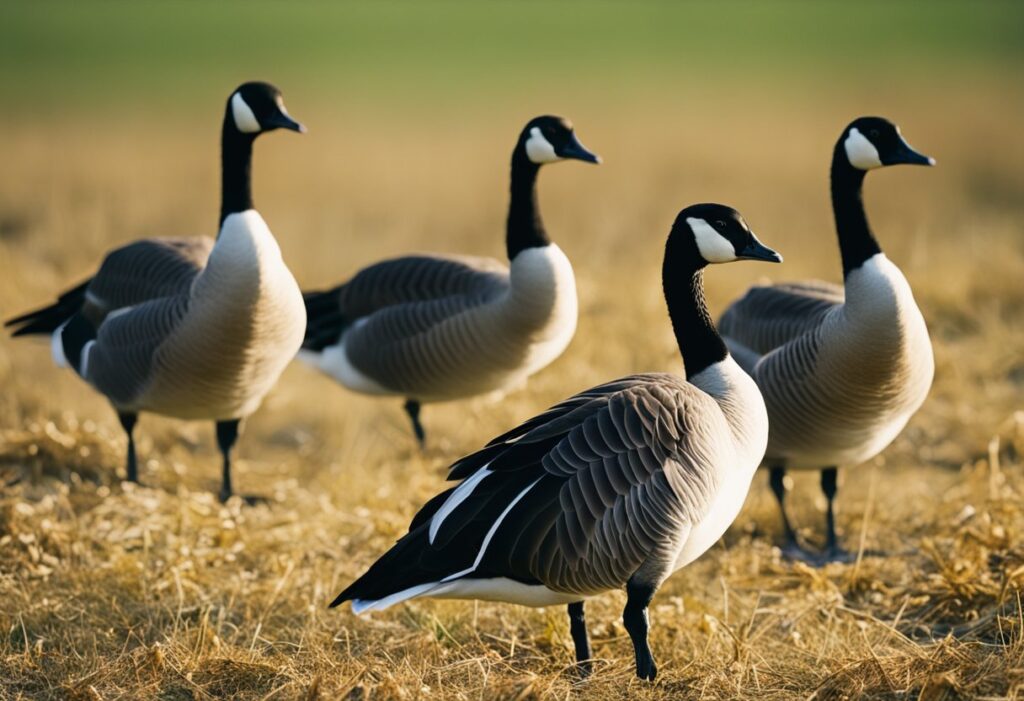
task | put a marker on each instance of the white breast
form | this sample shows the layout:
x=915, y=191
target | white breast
x=245, y=323
x=542, y=301
x=742, y=440
x=875, y=366
x=877, y=293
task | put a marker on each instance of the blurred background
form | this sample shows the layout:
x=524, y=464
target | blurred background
x=109, y=131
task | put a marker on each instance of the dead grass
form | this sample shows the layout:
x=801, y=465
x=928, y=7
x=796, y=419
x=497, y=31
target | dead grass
x=113, y=591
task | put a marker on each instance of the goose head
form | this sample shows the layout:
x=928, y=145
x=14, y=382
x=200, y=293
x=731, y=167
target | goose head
x=548, y=139
x=873, y=142
x=719, y=235
x=255, y=108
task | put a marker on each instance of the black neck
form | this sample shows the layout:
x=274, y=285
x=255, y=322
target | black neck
x=235, y=165
x=682, y=278
x=856, y=242
x=524, y=229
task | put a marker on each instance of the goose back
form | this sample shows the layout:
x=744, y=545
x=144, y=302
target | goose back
x=768, y=316
x=145, y=270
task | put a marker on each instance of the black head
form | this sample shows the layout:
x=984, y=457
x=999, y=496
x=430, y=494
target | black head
x=873, y=142
x=720, y=235
x=549, y=139
x=254, y=108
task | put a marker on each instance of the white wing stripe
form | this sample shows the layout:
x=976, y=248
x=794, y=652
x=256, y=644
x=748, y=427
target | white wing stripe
x=360, y=606
x=460, y=494
x=491, y=532
x=57, y=347
x=84, y=364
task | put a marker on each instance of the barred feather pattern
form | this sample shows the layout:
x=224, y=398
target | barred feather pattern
x=145, y=270
x=615, y=482
x=840, y=376
x=437, y=328
x=768, y=316
x=213, y=340
x=632, y=481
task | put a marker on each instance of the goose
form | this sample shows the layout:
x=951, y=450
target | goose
x=189, y=327
x=842, y=369
x=615, y=487
x=435, y=328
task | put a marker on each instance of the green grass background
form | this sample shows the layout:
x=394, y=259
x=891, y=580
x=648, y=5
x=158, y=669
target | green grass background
x=63, y=55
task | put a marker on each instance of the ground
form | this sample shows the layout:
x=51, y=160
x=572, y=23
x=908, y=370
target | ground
x=110, y=590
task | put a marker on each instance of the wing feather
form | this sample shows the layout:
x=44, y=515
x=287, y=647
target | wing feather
x=769, y=316
x=600, y=506
x=145, y=270
x=415, y=291
x=127, y=345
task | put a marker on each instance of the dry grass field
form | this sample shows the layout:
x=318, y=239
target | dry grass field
x=113, y=591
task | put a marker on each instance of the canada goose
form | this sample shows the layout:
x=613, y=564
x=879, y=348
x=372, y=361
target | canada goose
x=617, y=486
x=842, y=369
x=189, y=327
x=436, y=328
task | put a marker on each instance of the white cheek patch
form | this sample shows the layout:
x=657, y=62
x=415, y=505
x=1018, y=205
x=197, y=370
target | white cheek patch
x=245, y=120
x=860, y=152
x=714, y=247
x=539, y=149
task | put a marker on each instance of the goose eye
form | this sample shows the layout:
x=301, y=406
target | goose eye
x=720, y=224
x=873, y=133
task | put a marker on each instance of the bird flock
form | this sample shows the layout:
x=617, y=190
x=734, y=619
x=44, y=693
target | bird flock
x=616, y=487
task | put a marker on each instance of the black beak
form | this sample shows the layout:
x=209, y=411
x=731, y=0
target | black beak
x=755, y=250
x=574, y=149
x=281, y=120
x=905, y=154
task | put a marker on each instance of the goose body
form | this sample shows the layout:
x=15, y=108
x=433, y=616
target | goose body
x=841, y=369
x=617, y=486
x=606, y=482
x=189, y=328
x=435, y=328
x=863, y=362
x=214, y=349
x=481, y=329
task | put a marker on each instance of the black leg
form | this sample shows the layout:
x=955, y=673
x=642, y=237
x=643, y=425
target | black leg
x=578, y=629
x=412, y=408
x=834, y=552
x=792, y=548
x=128, y=424
x=227, y=434
x=777, y=480
x=634, y=617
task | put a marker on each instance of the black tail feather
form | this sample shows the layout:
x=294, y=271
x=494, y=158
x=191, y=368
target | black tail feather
x=383, y=568
x=48, y=319
x=415, y=560
x=398, y=569
x=324, y=319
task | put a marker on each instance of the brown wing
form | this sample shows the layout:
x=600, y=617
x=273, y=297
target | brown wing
x=769, y=316
x=399, y=283
x=145, y=270
x=578, y=499
x=119, y=362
